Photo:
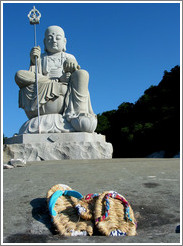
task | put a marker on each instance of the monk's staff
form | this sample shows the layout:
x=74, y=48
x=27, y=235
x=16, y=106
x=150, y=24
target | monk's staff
x=34, y=18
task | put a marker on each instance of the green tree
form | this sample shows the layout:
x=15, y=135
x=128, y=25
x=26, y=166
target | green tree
x=149, y=125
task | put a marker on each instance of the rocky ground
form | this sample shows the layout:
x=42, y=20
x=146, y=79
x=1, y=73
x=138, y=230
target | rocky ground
x=152, y=186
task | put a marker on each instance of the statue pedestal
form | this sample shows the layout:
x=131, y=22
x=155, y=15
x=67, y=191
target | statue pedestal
x=59, y=146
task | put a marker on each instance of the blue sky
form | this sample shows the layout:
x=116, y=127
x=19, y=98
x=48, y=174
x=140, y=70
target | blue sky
x=125, y=47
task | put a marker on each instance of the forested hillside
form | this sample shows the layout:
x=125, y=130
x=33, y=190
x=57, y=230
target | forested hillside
x=151, y=124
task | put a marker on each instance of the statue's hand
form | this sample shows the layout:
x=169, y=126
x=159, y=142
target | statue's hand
x=65, y=77
x=70, y=65
x=35, y=52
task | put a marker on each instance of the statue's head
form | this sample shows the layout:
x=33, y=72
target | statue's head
x=54, y=40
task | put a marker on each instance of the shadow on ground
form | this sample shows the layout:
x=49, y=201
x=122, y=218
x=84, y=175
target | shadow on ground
x=153, y=191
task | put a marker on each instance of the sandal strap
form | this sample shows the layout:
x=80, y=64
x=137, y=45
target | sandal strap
x=58, y=194
x=91, y=196
x=114, y=195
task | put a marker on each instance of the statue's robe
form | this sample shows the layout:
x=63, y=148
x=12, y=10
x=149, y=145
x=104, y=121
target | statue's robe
x=50, y=68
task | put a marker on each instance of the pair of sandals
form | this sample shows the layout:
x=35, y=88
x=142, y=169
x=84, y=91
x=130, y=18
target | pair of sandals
x=76, y=215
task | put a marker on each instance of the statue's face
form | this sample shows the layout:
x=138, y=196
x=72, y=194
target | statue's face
x=55, y=40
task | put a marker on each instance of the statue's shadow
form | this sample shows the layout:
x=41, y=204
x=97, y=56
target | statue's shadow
x=40, y=213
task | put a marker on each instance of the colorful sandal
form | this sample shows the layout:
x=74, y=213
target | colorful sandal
x=114, y=216
x=61, y=202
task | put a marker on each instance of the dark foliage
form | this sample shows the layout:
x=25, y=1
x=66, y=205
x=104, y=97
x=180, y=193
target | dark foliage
x=4, y=138
x=149, y=125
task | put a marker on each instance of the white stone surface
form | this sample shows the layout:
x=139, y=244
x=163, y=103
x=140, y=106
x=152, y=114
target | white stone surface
x=56, y=123
x=37, y=147
x=56, y=137
x=62, y=88
x=67, y=121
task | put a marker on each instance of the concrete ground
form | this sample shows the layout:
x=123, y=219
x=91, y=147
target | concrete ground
x=150, y=185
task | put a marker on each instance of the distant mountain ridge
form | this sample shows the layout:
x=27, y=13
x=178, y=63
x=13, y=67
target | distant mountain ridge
x=150, y=125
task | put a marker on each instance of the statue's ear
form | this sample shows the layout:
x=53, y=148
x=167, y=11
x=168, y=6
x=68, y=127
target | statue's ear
x=65, y=41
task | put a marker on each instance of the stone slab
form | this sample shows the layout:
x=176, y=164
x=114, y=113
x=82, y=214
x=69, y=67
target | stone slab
x=55, y=137
x=58, y=146
x=152, y=186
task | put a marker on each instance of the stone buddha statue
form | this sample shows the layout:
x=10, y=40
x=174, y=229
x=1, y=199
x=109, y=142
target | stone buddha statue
x=63, y=96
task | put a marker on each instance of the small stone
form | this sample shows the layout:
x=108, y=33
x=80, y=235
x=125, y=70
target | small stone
x=7, y=166
x=17, y=162
x=137, y=215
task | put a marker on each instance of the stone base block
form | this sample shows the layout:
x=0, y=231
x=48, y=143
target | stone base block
x=59, y=146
